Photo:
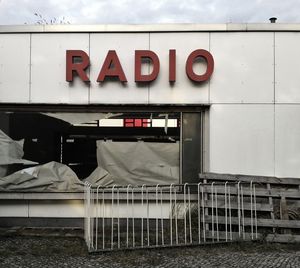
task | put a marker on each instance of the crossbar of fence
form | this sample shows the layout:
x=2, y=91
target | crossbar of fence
x=129, y=217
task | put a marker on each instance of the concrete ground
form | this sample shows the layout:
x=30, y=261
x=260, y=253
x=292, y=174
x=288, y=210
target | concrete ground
x=67, y=249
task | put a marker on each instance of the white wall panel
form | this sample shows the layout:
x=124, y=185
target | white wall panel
x=287, y=68
x=14, y=67
x=48, y=72
x=242, y=139
x=59, y=209
x=287, y=140
x=125, y=46
x=183, y=90
x=13, y=208
x=244, y=71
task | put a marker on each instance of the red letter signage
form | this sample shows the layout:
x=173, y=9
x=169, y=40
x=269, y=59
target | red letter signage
x=172, y=65
x=139, y=55
x=190, y=61
x=77, y=62
x=79, y=67
x=111, y=68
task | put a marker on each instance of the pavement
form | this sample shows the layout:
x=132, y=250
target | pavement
x=67, y=249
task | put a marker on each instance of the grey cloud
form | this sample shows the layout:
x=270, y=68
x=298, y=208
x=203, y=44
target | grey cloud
x=145, y=11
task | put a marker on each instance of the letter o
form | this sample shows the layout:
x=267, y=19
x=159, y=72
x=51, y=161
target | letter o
x=190, y=61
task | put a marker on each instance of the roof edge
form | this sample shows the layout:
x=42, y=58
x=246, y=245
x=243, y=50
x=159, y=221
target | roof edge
x=184, y=27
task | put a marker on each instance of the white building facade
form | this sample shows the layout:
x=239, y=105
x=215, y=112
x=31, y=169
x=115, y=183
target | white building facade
x=253, y=94
x=250, y=102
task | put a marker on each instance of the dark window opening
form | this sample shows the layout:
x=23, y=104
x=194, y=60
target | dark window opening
x=74, y=140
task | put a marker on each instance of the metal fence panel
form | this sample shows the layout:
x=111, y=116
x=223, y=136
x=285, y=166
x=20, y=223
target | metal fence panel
x=129, y=217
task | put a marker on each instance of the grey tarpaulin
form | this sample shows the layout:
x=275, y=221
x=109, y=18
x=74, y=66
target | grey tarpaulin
x=50, y=177
x=100, y=177
x=138, y=162
x=11, y=152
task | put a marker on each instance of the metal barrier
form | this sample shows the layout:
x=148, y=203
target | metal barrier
x=120, y=217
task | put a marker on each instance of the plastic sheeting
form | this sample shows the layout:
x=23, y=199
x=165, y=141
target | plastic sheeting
x=100, y=177
x=136, y=163
x=11, y=152
x=50, y=177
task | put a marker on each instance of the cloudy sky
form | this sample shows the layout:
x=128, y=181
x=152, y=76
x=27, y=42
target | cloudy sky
x=148, y=11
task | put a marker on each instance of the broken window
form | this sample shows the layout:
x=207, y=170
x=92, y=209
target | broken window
x=63, y=149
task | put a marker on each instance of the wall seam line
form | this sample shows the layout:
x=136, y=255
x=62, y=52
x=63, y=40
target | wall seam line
x=274, y=106
x=89, y=91
x=30, y=65
x=209, y=49
x=148, y=100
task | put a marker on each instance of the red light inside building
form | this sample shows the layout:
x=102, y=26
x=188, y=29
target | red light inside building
x=137, y=122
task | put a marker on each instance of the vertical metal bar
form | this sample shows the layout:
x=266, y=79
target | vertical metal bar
x=212, y=211
x=217, y=216
x=127, y=220
x=180, y=147
x=161, y=218
x=92, y=218
x=171, y=216
x=103, y=220
x=118, y=197
x=229, y=207
x=142, y=220
x=91, y=215
x=112, y=217
x=97, y=215
x=96, y=227
x=203, y=214
x=94, y=215
x=86, y=214
x=199, y=222
x=225, y=202
x=184, y=205
x=251, y=210
x=255, y=211
x=156, y=220
x=148, y=232
x=176, y=216
x=190, y=215
x=243, y=216
x=87, y=229
x=61, y=148
x=239, y=208
x=132, y=207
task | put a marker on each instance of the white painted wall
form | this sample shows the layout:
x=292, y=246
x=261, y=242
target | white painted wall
x=254, y=91
x=183, y=91
x=75, y=209
x=42, y=208
x=115, y=92
x=15, y=68
x=242, y=139
x=287, y=140
x=244, y=68
x=287, y=66
x=48, y=69
x=40, y=60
